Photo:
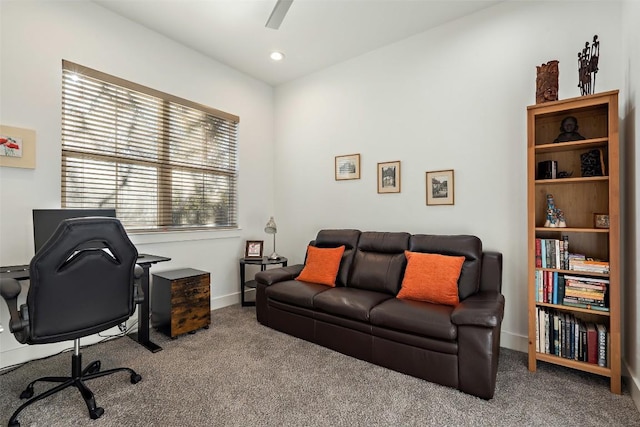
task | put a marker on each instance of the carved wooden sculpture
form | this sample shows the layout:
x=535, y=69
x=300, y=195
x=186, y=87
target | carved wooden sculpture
x=547, y=82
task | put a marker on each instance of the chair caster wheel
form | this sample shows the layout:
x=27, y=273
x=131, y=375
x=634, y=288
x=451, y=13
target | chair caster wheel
x=27, y=393
x=96, y=413
x=94, y=367
x=135, y=378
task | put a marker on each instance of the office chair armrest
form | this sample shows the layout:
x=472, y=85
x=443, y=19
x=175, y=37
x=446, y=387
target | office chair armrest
x=10, y=289
x=138, y=295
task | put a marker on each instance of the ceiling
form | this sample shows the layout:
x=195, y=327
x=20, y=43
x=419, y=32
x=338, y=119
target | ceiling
x=314, y=34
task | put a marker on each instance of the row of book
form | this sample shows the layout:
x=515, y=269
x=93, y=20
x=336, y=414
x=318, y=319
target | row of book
x=574, y=291
x=564, y=335
x=554, y=253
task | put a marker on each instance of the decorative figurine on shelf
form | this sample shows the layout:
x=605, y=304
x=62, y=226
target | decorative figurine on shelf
x=569, y=130
x=547, y=82
x=588, y=66
x=555, y=217
x=561, y=221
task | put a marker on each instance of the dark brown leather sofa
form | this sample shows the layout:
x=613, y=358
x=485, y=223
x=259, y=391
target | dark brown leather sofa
x=453, y=346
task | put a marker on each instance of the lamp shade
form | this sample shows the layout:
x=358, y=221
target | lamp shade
x=271, y=227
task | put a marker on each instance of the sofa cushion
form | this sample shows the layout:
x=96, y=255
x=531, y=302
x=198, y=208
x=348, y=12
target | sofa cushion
x=468, y=246
x=334, y=238
x=431, y=278
x=322, y=265
x=348, y=302
x=296, y=293
x=417, y=317
x=379, y=262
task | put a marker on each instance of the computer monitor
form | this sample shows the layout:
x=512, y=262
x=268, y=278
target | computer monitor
x=45, y=221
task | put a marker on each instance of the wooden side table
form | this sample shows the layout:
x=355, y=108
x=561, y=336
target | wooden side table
x=263, y=263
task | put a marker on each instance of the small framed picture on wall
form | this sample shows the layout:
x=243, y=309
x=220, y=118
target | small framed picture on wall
x=347, y=167
x=254, y=249
x=389, y=177
x=440, y=187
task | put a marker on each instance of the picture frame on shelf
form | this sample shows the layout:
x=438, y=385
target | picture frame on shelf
x=601, y=220
x=254, y=249
x=440, y=187
x=347, y=167
x=389, y=177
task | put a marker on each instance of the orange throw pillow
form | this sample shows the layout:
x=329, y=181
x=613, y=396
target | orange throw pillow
x=322, y=265
x=431, y=278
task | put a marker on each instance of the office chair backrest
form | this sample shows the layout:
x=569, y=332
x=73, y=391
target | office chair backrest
x=81, y=280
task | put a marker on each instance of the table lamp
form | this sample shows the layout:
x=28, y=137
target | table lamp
x=272, y=228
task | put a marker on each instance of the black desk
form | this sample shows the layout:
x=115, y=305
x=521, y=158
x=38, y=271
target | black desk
x=145, y=261
x=262, y=262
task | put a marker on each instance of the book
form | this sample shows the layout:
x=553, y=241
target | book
x=602, y=344
x=547, y=169
x=565, y=260
x=538, y=253
x=592, y=343
x=538, y=330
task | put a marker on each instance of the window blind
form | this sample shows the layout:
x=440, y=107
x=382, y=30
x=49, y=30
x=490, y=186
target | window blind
x=162, y=162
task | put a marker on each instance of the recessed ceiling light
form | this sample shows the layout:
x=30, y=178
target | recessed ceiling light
x=277, y=56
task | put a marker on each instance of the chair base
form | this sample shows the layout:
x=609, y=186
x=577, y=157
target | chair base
x=77, y=379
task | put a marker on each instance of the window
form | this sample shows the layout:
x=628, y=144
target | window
x=162, y=162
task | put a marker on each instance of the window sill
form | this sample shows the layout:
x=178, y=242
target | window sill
x=146, y=237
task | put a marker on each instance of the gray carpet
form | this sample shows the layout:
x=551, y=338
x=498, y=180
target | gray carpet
x=240, y=373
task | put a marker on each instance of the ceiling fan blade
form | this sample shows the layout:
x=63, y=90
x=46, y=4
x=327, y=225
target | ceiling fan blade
x=278, y=14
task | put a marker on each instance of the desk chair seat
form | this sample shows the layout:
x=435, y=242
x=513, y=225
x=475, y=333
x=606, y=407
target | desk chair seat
x=84, y=280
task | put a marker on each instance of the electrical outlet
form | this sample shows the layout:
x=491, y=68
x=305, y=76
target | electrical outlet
x=122, y=327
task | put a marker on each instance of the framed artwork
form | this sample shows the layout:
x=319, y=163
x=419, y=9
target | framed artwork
x=17, y=147
x=440, y=188
x=389, y=177
x=254, y=249
x=347, y=167
x=601, y=220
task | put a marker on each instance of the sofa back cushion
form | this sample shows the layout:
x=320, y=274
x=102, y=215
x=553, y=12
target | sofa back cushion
x=461, y=245
x=335, y=238
x=379, y=262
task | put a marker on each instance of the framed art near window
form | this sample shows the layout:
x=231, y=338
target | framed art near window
x=254, y=249
x=389, y=177
x=347, y=167
x=440, y=187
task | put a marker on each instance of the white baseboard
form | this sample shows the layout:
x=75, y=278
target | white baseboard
x=26, y=353
x=514, y=341
x=634, y=383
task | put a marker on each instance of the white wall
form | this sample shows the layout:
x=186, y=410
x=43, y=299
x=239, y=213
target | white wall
x=631, y=192
x=451, y=98
x=35, y=37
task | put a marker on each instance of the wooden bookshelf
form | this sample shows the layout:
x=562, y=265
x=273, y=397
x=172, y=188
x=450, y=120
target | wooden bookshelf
x=579, y=198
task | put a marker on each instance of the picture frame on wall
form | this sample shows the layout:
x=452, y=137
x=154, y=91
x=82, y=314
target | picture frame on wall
x=17, y=147
x=347, y=167
x=254, y=249
x=389, y=177
x=440, y=188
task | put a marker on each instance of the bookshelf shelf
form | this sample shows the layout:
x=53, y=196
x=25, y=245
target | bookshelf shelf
x=574, y=364
x=576, y=309
x=572, y=230
x=579, y=180
x=580, y=198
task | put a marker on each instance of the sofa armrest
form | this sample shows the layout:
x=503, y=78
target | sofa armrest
x=275, y=275
x=491, y=277
x=486, y=308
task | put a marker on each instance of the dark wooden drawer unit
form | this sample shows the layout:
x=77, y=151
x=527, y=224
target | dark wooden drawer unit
x=180, y=301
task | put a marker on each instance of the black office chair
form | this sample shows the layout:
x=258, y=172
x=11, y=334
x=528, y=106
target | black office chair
x=84, y=280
